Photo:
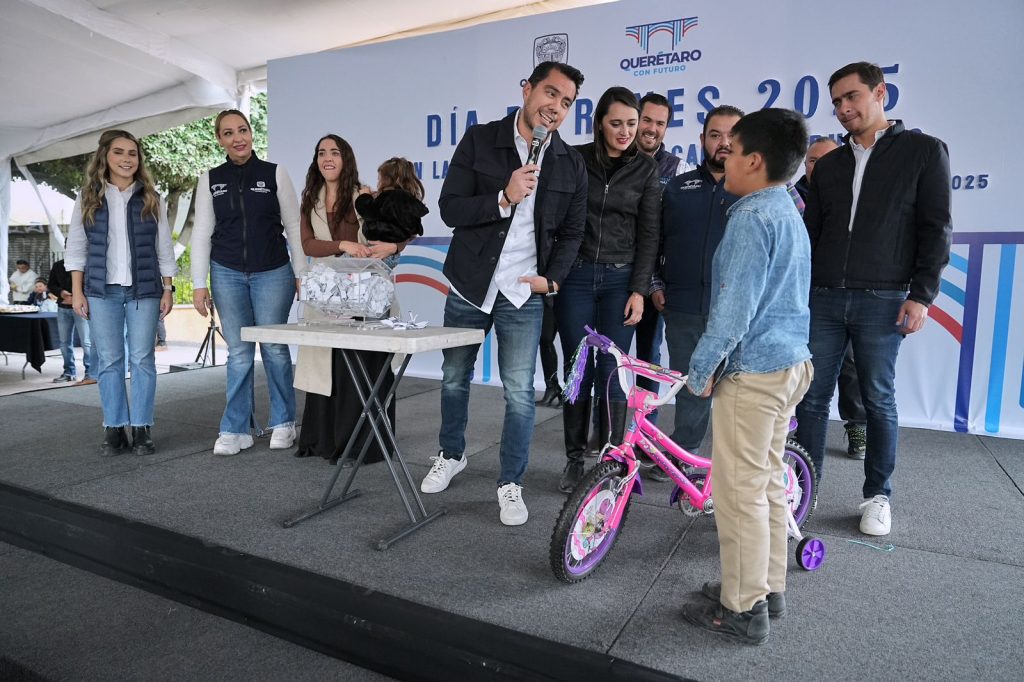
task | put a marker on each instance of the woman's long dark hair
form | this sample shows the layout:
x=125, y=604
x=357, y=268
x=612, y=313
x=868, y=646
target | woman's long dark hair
x=349, y=181
x=611, y=96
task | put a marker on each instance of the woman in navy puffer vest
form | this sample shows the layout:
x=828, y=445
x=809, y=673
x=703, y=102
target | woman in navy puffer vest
x=121, y=262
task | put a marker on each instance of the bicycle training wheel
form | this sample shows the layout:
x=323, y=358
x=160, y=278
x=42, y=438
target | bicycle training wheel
x=800, y=481
x=581, y=539
x=810, y=554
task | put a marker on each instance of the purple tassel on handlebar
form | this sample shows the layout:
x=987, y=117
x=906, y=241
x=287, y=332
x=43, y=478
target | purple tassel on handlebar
x=579, y=367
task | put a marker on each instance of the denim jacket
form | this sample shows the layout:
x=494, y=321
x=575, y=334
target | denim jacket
x=759, y=321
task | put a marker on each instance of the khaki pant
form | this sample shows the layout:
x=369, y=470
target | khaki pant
x=749, y=422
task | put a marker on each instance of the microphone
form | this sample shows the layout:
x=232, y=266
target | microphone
x=539, y=133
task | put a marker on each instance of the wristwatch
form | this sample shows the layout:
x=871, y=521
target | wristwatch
x=170, y=288
x=551, y=288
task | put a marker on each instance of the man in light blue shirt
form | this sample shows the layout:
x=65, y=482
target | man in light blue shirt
x=753, y=358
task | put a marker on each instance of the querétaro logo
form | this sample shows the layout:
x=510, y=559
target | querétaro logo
x=676, y=29
x=670, y=33
x=551, y=48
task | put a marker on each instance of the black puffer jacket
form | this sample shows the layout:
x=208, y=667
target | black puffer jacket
x=623, y=215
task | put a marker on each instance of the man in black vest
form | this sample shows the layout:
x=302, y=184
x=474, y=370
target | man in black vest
x=878, y=215
x=655, y=117
x=516, y=229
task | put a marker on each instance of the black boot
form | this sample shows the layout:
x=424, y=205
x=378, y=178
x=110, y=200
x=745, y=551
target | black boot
x=114, y=441
x=594, y=442
x=553, y=394
x=575, y=420
x=142, y=442
x=612, y=432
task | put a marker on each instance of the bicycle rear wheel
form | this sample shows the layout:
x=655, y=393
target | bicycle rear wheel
x=582, y=539
x=800, y=481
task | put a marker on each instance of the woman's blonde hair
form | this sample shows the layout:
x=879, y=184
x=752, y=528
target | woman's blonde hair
x=398, y=172
x=96, y=177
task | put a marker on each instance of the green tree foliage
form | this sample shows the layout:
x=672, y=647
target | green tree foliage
x=183, y=280
x=63, y=175
x=175, y=157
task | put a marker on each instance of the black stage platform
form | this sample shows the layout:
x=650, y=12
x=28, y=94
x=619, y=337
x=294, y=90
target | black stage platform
x=177, y=565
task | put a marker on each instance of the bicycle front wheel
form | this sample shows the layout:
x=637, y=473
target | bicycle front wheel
x=583, y=534
x=800, y=481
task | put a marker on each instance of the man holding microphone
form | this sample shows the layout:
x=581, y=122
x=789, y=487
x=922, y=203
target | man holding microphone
x=515, y=197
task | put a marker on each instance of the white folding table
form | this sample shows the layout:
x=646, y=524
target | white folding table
x=350, y=339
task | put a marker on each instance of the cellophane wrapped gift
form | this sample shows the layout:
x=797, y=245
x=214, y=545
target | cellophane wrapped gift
x=340, y=289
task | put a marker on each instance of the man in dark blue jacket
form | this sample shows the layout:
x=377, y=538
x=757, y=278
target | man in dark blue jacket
x=878, y=215
x=517, y=227
x=693, y=216
x=655, y=117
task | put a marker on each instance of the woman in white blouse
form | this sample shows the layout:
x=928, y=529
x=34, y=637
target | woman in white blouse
x=121, y=262
x=244, y=209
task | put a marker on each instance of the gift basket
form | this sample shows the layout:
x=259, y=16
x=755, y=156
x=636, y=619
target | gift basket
x=340, y=290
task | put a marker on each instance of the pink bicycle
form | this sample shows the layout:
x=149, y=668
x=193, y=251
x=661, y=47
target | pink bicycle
x=593, y=515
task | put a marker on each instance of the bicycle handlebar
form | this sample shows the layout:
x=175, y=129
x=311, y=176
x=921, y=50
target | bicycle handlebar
x=597, y=340
x=626, y=362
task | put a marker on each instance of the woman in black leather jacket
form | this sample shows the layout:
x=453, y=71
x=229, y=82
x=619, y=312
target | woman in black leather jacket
x=607, y=284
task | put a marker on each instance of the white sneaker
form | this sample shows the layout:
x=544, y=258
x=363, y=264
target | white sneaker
x=232, y=443
x=513, y=509
x=282, y=438
x=877, y=516
x=442, y=473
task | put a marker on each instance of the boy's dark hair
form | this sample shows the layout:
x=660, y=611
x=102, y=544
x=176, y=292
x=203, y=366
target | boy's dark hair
x=657, y=100
x=869, y=74
x=21, y=261
x=778, y=135
x=722, y=110
x=541, y=71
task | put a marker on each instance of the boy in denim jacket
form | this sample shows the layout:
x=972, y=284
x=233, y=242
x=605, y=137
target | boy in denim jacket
x=753, y=359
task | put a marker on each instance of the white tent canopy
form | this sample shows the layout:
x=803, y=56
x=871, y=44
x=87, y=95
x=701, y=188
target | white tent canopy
x=70, y=68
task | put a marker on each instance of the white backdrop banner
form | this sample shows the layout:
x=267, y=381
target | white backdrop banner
x=950, y=70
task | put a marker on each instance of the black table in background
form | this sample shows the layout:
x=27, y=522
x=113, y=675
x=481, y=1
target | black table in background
x=30, y=333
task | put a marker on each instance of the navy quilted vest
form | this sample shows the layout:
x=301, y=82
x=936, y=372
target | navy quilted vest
x=142, y=236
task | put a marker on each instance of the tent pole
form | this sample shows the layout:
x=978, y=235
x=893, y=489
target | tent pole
x=5, y=218
x=245, y=99
x=56, y=236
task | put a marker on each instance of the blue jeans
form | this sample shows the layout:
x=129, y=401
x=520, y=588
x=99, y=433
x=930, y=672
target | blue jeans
x=851, y=408
x=108, y=318
x=595, y=294
x=865, y=319
x=245, y=299
x=683, y=331
x=68, y=323
x=517, y=331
